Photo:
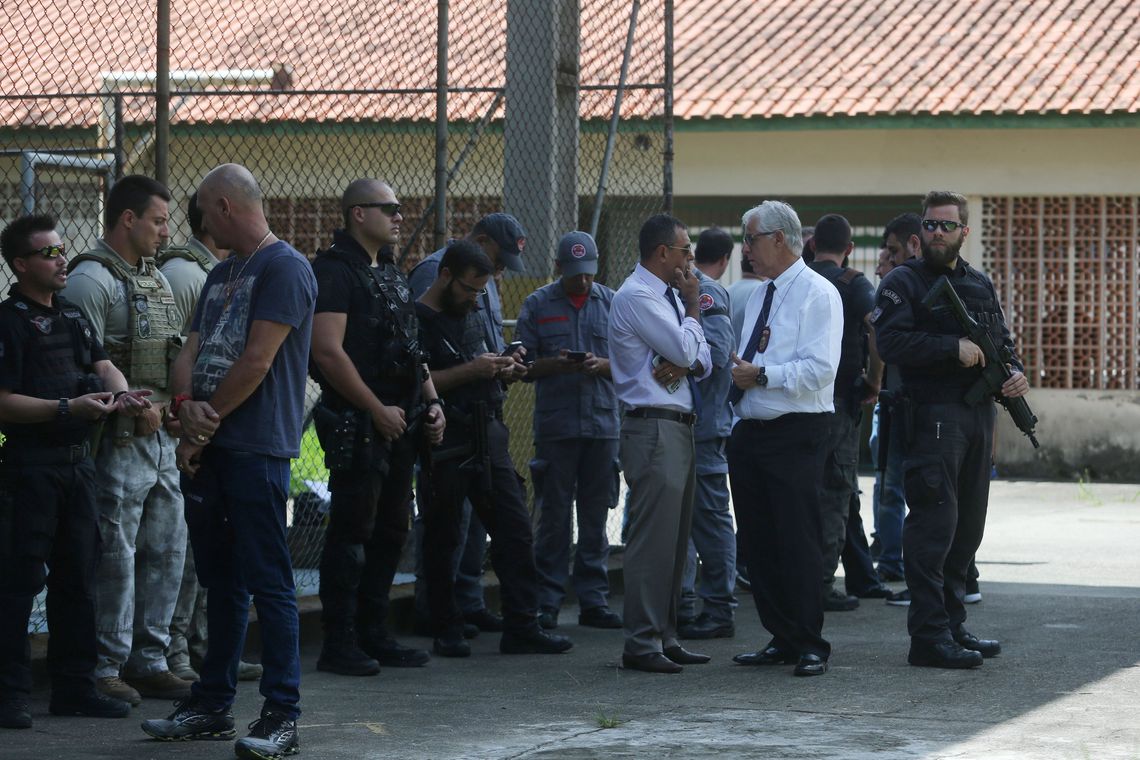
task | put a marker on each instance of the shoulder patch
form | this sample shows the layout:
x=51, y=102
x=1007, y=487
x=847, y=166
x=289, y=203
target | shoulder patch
x=876, y=313
x=705, y=302
x=888, y=293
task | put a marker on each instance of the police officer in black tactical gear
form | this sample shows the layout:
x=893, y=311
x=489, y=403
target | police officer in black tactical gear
x=474, y=462
x=378, y=405
x=857, y=382
x=948, y=442
x=56, y=386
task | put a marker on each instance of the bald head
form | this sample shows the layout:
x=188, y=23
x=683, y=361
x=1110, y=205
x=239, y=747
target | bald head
x=371, y=214
x=362, y=191
x=231, y=204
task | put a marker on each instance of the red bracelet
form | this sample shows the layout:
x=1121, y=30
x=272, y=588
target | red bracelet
x=176, y=403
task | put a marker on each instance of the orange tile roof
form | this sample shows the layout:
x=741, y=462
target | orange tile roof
x=820, y=58
x=734, y=58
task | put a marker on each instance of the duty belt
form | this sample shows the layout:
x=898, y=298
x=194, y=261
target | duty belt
x=47, y=454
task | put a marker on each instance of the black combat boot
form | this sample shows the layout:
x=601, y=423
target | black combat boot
x=340, y=654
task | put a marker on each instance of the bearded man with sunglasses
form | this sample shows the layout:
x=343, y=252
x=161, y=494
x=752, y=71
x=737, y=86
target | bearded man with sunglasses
x=57, y=384
x=947, y=442
x=367, y=358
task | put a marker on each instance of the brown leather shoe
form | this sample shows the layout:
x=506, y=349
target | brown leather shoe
x=682, y=656
x=117, y=688
x=653, y=662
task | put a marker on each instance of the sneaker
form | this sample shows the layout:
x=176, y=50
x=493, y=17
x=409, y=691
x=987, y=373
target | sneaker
x=14, y=713
x=270, y=736
x=249, y=671
x=835, y=600
x=164, y=685
x=117, y=688
x=91, y=705
x=973, y=593
x=899, y=598
x=191, y=722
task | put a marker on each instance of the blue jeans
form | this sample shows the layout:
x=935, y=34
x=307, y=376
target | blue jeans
x=713, y=538
x=235, y=509
x=889, y=500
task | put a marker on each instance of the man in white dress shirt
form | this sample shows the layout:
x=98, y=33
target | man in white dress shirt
x=784, y=378
x=657, y=353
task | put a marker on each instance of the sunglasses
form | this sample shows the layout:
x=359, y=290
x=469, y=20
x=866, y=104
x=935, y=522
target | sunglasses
x=930, y=225
x=391, y=209
x=49, y=251
x=750, y=237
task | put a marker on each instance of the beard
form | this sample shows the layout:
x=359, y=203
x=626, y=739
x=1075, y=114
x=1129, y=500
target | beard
x=941, y=257
x=453, y=306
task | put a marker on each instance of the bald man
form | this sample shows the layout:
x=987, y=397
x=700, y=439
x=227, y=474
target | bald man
x=240, y=384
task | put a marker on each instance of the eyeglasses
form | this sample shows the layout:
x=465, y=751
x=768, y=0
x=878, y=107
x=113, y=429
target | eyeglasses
x=930, y=225
x=686, y=248
x=471, y=290
x=391, y=209
x=50, y=251
x=750, y=237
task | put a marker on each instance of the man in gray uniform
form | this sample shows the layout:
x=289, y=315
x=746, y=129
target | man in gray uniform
x=186, y=267
x=712, y=535
x=133, y=313
x=564, y=326
x=502, y=238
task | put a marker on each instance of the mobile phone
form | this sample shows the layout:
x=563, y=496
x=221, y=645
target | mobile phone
x=576, y=356
x=513, y=346
x=673, y=386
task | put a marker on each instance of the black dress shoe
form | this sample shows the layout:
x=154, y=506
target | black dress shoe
x=836, y=601
x=767, y=656
x=876, y=592
x=704, y=627
x=391, y=653
x=810, y=665
x=533, y=641
x=14, y=713
x=599, y=617
x=484, y=620
x=985, y=647
x=890, y=576
x=942, y=654
x=682, y=656
x=654, y=662
x=451, y=646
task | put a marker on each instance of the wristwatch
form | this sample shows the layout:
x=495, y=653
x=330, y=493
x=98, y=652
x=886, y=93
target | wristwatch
x=762, y=379
x=63, y=411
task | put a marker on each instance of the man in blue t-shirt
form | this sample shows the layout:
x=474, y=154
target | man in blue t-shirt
x=245, y=360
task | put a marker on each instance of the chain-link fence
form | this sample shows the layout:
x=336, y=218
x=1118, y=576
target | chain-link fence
x=311, y=94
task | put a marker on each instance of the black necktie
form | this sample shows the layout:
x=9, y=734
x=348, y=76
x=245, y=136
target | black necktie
x=681, y=320
x=735, y=393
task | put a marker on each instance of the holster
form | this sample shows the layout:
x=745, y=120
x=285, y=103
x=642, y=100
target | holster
x=345, y=436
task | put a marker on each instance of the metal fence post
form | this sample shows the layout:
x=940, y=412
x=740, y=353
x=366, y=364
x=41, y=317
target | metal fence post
x=162, y=95
x=440, y=235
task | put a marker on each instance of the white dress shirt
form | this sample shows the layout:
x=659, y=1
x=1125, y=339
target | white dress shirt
x=806, y=324
x=644, y=324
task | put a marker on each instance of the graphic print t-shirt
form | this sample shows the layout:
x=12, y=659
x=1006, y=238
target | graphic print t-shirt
x=275, y=285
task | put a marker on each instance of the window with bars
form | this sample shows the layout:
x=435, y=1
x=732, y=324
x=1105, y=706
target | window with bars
x=1067, y=270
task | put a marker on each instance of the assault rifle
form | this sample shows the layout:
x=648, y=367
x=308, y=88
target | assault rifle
x=996, y=371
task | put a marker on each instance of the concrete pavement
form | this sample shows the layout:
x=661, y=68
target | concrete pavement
x=1060, y=588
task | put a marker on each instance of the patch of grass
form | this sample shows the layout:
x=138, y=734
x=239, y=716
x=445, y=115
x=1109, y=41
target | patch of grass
x=1084, y=489
x=607, y=721
x=310, y=465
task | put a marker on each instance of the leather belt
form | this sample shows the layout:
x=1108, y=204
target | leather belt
x=47, y=455
x=652, y=413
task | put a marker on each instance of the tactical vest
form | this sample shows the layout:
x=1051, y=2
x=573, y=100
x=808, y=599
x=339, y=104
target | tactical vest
x=57, y=365
x=980, y=301
x=447, y=350
x=854, y=348
x=184, y=252
x=383, y=340
x=153, y=337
